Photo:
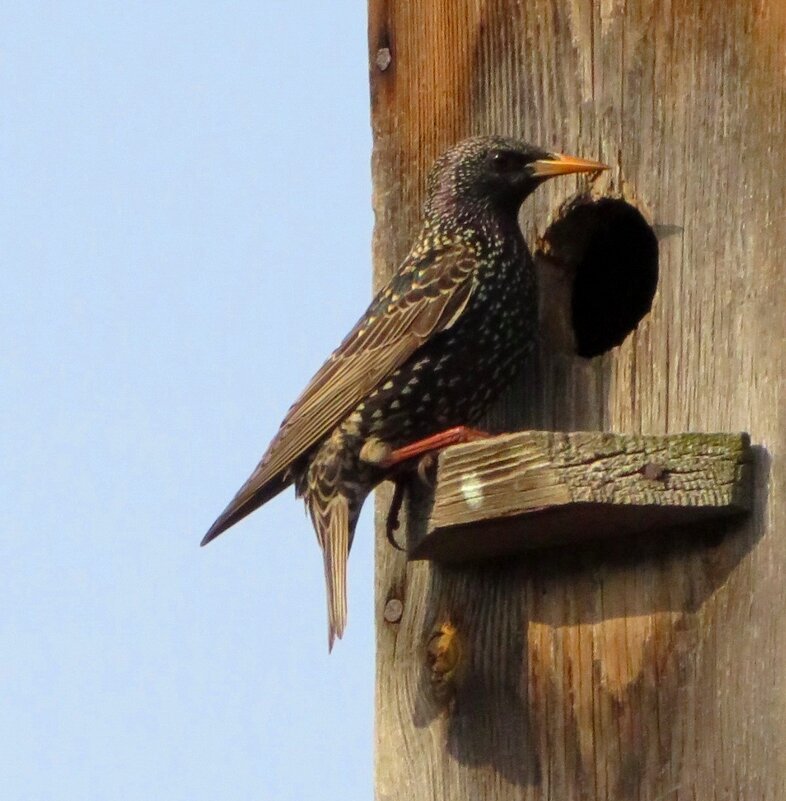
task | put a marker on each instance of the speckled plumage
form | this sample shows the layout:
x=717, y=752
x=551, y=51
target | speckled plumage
x=433, y=349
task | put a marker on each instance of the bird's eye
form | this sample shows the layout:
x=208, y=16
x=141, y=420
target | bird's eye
x=506, y=161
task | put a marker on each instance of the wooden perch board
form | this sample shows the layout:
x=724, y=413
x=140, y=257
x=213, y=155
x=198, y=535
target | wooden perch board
x=537, y=488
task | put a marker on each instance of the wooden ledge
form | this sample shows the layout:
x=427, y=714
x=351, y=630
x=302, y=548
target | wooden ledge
x=534, y=489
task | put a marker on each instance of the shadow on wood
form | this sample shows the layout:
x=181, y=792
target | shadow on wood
x=515, y=674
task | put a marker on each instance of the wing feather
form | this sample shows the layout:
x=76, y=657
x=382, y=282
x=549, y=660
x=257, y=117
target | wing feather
x=414, y=306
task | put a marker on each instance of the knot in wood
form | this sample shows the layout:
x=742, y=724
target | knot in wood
x=444, y=656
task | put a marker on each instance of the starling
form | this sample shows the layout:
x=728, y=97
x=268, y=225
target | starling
x=434, y=348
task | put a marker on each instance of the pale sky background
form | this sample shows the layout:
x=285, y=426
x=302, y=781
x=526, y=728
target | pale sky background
x=184, y=236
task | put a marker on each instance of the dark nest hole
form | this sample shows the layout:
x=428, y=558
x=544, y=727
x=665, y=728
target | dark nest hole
x=604, y=256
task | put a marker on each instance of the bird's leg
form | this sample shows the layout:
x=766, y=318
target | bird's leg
x=392, y=522
x=379, y=453
x=401, y=481
x=376, y=452
x=451, y=436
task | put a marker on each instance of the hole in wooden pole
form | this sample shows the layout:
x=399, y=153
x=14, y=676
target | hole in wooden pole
x=598, y=266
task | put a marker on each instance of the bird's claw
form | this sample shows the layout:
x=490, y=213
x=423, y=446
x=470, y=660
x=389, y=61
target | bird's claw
x=425, y=472
x=425, y=469
x=392, y=522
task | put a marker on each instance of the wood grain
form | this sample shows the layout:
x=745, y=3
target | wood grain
x=604, y=673
x=535, y=489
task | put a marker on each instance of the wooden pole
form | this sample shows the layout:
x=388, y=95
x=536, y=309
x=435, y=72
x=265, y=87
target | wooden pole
x=603, y=672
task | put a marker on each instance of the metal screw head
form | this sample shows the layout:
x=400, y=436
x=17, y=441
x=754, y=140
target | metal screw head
x=383, y=58
x=653, y=471
x=394, y=609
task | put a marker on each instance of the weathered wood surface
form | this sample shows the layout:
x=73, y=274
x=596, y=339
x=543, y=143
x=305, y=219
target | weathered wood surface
x=532, y=489
x=603, y=673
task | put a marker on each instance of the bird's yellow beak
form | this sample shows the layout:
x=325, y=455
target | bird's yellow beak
x=557, y=164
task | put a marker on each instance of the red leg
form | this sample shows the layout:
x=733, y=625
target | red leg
x=451, y=436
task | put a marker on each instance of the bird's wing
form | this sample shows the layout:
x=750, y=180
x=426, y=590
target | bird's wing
x=425, y=297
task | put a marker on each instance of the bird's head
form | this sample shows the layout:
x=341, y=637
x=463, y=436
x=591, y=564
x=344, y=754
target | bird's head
x=494, y=173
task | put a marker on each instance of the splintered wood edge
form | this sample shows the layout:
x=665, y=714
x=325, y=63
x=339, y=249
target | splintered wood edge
x=539, y=477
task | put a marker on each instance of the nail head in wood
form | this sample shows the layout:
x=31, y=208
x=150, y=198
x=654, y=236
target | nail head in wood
x=383, y=58
x=653, y=471
x=394, y=609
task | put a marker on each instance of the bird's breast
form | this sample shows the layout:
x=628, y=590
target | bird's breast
x=454, y=376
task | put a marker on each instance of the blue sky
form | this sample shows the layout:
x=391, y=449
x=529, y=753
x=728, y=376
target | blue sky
x=184, y=234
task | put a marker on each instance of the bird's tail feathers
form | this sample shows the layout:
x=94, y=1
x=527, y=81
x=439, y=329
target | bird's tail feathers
x=334, y=538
